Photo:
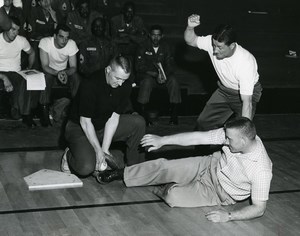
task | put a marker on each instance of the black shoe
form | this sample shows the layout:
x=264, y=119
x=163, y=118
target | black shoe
x=44, y=119
x=149, y=123
x=27, y=120
x=107, y=176
x=173, y=121
x=15, y=114
x=111, y=161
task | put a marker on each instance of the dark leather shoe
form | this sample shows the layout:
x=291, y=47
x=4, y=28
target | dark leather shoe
x=111, y=161
x=15, y=114
x=44, y=119
x=27, y=120
x=107, y=176
x=173, y=121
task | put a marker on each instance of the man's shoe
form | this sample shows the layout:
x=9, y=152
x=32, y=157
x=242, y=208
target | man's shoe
x=173, y=121
x=44, y=119
x=14, y=113
x=64, y=166
x=107, y=176
x=28, y=120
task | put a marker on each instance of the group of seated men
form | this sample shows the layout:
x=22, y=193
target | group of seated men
x=68, y=46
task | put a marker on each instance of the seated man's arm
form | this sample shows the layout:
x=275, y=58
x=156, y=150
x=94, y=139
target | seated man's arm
x=90, y=132
x=109, y=131
x=168, y=63
x=45, y=63
x=72, y=65
x=255, y=210
x=182, y=139
x=247, y=106
x=31, y=57
x=6, y=82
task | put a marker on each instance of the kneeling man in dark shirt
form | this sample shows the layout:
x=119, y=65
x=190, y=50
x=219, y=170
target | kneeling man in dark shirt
x=97, y=119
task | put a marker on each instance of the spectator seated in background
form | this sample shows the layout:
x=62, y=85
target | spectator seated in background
x=241, y=170
x=155, y=67
x=128, y=30
x=59, y=63
x=17, y=12
x=80, y=21
x=96, y=52
x=63, y=8
x=97, y=119
x=11, y=46
x=5, y=23
x=42, y=23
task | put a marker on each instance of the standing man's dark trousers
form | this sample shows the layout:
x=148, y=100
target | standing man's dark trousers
x=51, y=80
x=22, y=100
x=82, y=157
x=222, y=105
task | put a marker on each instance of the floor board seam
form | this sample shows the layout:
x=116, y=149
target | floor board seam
x=32, y=210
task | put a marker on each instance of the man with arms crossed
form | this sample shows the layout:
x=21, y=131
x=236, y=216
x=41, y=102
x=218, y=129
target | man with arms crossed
x=238, y=87
x=240, y=170
x=97, y=119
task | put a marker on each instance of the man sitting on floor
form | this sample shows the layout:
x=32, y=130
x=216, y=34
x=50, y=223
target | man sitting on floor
x=97, y=119
x=242, y=169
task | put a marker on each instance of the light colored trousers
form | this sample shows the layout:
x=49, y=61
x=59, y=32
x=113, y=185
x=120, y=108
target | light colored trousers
x=187, y=182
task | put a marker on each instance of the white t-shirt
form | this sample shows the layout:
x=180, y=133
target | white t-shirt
x=10, y=53
x=238, y=72
x=58, y=58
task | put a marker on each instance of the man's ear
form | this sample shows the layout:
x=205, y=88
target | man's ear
x=108, y=69
x=232, y=45
x=244, y=140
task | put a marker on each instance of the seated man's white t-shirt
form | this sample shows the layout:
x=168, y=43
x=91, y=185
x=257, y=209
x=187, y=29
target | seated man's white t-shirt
x=58, y=58
x=10, y=53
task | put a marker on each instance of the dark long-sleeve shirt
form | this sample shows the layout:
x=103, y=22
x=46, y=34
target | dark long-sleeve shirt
x=147, y=58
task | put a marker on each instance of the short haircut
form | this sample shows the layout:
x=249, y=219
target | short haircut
x=15, y=20
x=123, y=62
x=224, y=34
x=245, y=126
x=102, y=21
x=80, y=2
x=62, y=27
x=128, y=5
x=157, y=27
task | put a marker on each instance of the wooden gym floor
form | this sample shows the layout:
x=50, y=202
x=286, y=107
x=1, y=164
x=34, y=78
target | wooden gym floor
x=114, y=209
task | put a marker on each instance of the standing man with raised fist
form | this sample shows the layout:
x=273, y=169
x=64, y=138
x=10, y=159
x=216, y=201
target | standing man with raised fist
x=238, y=87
